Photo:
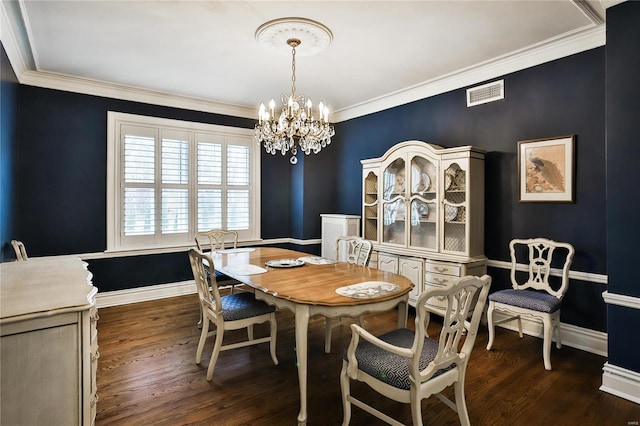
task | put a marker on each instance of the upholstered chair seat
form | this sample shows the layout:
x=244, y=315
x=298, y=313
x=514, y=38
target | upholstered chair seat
x=530, y=299
x=243, y=305
x=391, y=368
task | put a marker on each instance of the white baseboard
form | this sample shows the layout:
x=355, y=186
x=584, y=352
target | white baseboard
x=621, y=382
x=144, y=294
x=576, y=337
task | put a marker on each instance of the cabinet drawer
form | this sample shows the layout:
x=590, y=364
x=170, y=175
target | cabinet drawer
x=439, y=279
x=445, y=268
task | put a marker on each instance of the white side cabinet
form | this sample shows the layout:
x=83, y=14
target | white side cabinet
x=334, y=226
x=48, y=344
x=423, y=209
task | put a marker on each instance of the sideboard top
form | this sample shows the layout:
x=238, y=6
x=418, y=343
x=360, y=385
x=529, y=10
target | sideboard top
x=42, y=285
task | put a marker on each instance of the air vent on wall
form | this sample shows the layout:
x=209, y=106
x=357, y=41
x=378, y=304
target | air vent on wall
x=486, y=93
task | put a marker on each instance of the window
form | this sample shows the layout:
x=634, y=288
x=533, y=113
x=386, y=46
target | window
x=168, y=179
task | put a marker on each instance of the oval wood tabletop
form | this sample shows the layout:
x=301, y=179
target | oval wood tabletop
x=309, y=284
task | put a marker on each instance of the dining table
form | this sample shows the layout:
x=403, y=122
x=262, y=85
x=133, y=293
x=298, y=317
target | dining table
x=310, y=285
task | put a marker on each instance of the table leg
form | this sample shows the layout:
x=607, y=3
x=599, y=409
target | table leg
x=302, y=328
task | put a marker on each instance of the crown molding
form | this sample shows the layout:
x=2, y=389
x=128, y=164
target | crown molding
x=549, y=50
x=10, y=42
x=68, y=83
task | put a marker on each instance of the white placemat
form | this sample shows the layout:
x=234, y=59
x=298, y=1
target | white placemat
x=243, y=270
x=317, y=260
x=236, y=250
x=367, y=290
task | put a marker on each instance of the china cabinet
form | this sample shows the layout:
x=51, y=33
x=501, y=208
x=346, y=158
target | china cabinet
x=423, y=208
x=48, y=343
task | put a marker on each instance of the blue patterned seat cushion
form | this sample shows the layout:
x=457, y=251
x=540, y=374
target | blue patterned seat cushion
x=391, y=368
x=243, y=305
x=540, y=301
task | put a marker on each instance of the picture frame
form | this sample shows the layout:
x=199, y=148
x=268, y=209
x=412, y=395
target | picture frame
x=546, y=170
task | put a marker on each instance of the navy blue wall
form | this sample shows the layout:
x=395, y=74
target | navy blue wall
x=8, y=143
x=623, y=176
x=566, y=96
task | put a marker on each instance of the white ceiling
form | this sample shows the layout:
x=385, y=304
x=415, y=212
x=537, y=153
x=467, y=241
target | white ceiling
x=383, y=52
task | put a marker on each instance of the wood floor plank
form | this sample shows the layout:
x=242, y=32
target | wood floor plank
x=147, y=376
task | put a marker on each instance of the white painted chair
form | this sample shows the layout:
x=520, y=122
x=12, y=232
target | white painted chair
x=408, y=366
x=21, y=252
x=354, y=250
x=532, y=295
x=230, y=312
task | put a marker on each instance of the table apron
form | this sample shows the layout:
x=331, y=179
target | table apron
x=342, y=310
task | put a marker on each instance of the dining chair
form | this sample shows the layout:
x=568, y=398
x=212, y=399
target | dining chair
x=21, y=252
x=230, y=312
x=535, y=293
x=408, y=366
x=354, y=250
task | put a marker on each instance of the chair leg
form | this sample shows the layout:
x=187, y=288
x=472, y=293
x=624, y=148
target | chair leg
x=416, y=407
x=490, y=325
x=461, y=403
x=272, y=342
x=214, y=354
x=250, y=332
x=327, y=335
x=547, y=324
x=344, y=386
x=520, y=326
x=556, y=327
x=203, y=338
x=200, y=320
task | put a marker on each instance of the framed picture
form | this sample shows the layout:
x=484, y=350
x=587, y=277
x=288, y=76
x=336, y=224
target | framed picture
x=546, y=170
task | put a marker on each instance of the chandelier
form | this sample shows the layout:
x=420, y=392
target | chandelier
x=298, y=127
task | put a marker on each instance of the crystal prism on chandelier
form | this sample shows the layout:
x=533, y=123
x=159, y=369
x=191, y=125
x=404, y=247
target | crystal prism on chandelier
x=298, y=127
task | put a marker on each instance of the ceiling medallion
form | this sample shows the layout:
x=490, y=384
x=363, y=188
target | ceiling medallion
x=296, y=127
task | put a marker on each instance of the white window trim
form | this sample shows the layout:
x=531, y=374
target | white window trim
x=114, y=121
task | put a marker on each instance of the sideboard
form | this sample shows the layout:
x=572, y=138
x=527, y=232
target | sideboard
x=48, y=342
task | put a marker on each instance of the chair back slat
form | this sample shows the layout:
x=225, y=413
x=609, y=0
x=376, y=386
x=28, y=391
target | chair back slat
x=540, y=255
x=218, y=239
x=469, y=293
x=354, y=250
x=21, y=252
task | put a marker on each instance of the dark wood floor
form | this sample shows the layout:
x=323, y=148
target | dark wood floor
x=147, y=376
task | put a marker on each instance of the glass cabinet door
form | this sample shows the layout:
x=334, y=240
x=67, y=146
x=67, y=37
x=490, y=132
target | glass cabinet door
x=370, y=208
x=394, y=203
x=423, y=182
x=454, y=208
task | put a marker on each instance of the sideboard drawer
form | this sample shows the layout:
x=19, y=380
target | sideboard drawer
x=439, y=279
x=445, y=268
